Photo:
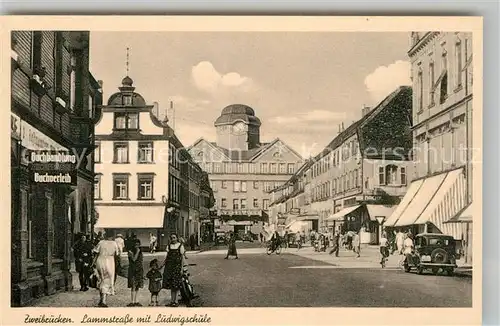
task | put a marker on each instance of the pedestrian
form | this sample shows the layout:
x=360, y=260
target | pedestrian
x=408, y=247
x=172, y=274
x=192, y=242
x=356, y=244
x=155, y=279
x=121, y=246
x=152, y=243
x=231, y=250
x=336, y=244
x=135, y=275
x=384, y=249
x=83, y=261
x=400, y=238
x=104, y=263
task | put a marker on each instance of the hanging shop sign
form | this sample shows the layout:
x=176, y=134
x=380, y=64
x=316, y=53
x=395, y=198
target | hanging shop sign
x=52, y=167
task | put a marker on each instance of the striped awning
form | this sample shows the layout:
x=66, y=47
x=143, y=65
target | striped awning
x=435, y=200
x=465, y=216
x=340, y=215
x=379, y=210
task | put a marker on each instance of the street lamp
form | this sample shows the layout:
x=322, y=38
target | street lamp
x=380, y=220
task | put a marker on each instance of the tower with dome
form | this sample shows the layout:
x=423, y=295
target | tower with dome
x=243, y=171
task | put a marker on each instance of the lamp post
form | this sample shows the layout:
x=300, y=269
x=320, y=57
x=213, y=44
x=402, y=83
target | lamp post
x=380, y=220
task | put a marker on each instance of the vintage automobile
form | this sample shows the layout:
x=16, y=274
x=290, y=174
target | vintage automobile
x=433, y=251
x=247, y=237
x=293, y=240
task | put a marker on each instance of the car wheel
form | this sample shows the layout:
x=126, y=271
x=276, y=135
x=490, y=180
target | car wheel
x=439, y=256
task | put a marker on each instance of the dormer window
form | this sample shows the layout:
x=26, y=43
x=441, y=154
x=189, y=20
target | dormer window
x=127, y=100
x=126, y=121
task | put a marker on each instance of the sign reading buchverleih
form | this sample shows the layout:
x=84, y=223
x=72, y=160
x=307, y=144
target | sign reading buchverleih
x=53, y=167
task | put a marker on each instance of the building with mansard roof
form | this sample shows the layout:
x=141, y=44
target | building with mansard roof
x=243, y=170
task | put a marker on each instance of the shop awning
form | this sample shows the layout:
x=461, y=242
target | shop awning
x=420, y=200
x=130, y=217
x=380, y=210
x=439, y=198
x=408, y=197
x=465, y=216
x=340, y=215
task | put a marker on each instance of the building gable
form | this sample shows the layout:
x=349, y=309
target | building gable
x=204, y=151
x=277, y=151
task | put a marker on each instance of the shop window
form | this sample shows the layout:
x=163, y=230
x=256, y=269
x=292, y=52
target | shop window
x=145, y=182
x=120, y=186
x=120, y=153
x=145, y=152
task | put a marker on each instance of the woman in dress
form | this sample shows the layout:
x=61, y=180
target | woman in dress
x=172, y=275
x=231, y=251
x=104, y=262
x=135, y=275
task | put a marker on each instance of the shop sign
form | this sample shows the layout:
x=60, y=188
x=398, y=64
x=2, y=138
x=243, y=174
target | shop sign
x=32, y=138
x=15, y=126
x=52, y=167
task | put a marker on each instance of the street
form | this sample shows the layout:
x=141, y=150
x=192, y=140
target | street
x=293, y=279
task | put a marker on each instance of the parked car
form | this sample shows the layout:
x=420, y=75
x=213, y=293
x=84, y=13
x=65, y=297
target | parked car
x=220, y=238
x=432, y=251
x=247, y=237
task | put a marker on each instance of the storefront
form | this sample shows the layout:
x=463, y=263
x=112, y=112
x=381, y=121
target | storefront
x=44, y=180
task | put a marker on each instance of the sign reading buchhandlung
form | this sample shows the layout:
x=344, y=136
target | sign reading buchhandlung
x=53, y=167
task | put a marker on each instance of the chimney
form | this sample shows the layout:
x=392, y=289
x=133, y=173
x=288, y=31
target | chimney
x=365, y=110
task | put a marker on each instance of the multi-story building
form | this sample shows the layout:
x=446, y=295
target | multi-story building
x=360, y=176
x=54, y=101
x=242, y=170
x=146, y=182
x=441, y=191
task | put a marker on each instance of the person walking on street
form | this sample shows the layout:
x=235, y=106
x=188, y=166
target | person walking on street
x=356, y=243
x=400, y=238
x=135, y=275
x=83, y=261
x=192, y=242
x=121, y=246
x=407, y=248
x=104, y=263
x=173, y=263
x=152, y=243
x=336, y=244
x=231, y=250
x=384, y=248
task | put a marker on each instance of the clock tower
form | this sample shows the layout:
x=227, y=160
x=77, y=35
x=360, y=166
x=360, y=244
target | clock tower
x=238, y=128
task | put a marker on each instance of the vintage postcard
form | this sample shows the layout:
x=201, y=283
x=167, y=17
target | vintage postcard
x=162, y=168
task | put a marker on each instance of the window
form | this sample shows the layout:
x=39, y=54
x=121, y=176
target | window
x=381, y=175
x=217, y=167
x=120, y=120
x=273, y=168
x=97, y=153
x=235, y=204
x=390, y=174
x=444, y=80
x=37, y=52
x=120, y=153
x=265, y=204
x=223, y=202
x=432, y=80
x=91, y=106
x=240, y=168
x=256, y=185
x=420, y=88
x=267, y=186
x=145, y=154
x=458, y=63
x=243, y=204
x=403, y=176
x=127, y=100
x=213, y=185
x=276, y=184
x=236, y=186
x=283, y=168
x=263, y=168
x=224, y=184
x=120, y=186
x=243, y=186
x=251, y=168
x=133, y=121
x=97, y=187
x=145, y=183
x=255, y=203
x=126, y=120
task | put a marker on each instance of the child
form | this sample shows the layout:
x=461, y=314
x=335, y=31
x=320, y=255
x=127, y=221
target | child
x=155, y=281
x=135, y=272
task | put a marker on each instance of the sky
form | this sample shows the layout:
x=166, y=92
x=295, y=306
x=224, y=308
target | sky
x=302, y=85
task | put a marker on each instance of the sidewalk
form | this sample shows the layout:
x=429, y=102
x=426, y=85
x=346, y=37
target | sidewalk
x=370, y=258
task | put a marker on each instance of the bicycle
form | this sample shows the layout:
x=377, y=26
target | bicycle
x=270, y=249
x=384, y=251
